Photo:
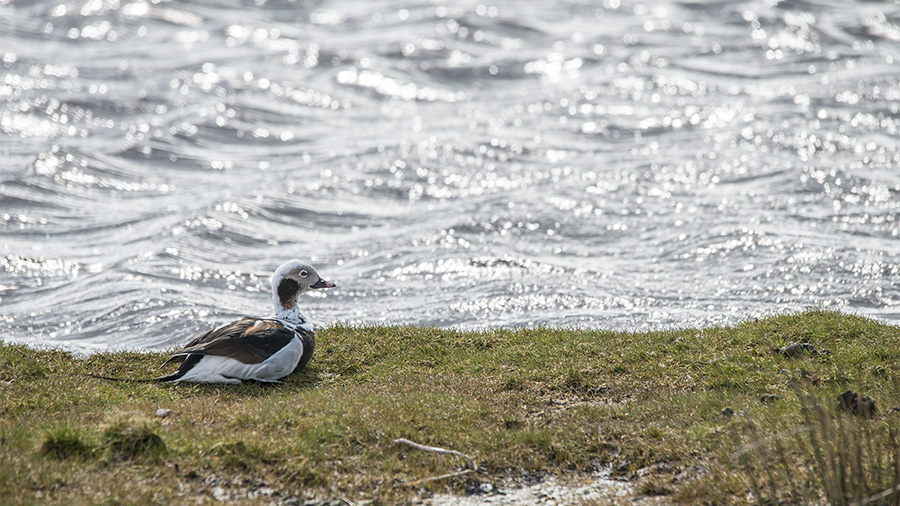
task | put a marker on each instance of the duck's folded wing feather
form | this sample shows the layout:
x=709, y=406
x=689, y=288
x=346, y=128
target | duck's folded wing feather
x=234, y=328
x=248, y=340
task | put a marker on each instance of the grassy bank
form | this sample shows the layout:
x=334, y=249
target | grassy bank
x=696, y=416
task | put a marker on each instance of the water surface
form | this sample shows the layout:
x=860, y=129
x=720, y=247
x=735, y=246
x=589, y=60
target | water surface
x=616, y=164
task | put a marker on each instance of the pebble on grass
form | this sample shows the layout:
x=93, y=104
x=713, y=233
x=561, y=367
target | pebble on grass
x=797, y=349
x=769, y=398
x=859, y=405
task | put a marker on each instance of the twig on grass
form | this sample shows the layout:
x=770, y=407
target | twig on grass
x=434, y=449
x=470, y=463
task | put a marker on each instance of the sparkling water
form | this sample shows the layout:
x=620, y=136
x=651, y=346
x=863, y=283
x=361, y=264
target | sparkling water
x=618, y=164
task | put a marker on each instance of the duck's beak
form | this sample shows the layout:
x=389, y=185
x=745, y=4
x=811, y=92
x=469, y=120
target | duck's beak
x=321, y=283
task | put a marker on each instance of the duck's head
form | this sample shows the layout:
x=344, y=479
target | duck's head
x=293, y=278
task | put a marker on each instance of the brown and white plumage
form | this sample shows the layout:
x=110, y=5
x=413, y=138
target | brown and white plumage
x=260, y=349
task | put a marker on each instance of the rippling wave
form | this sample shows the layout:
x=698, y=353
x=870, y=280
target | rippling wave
x=615, y=164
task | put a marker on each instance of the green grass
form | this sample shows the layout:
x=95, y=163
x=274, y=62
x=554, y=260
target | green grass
x=519, y=402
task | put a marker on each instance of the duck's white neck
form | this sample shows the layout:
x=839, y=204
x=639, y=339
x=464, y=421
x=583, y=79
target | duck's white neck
x=292, y=316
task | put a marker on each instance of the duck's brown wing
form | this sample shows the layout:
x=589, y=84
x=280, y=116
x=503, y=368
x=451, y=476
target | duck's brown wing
x=247, y=340
x=235, y=327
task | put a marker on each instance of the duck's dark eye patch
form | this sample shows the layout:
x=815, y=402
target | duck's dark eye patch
x=287, y=293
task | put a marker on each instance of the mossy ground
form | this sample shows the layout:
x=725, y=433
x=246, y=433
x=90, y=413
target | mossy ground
x=520, y=402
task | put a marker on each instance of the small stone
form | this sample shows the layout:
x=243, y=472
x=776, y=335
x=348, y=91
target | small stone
x=163, y=412
x=219, y=494
x=265, y=491
x=727, y=412
x=796, y=349
x=859, y=405
x=769, y=398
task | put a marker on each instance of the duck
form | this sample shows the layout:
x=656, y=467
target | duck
x=256, y=349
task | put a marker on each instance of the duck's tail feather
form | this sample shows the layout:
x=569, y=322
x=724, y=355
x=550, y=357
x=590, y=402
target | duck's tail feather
x=188, y=363
x=130, y=380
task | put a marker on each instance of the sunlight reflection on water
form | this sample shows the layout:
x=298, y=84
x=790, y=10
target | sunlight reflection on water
x=624, y=165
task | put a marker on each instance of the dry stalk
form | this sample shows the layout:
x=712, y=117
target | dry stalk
x=470, y=463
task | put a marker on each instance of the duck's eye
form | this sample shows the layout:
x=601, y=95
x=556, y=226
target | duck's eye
x=304, y=273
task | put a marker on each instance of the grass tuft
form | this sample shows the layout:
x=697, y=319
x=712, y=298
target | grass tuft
x=835, y=455
x=66, y=442
x=655, y=486
x=130, y=436
x=238, y=455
